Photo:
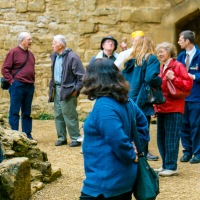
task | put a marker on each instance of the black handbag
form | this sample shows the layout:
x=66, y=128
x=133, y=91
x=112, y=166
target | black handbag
x=4, y=84
x=150, y=95
x=154, y=95
x=146, y=186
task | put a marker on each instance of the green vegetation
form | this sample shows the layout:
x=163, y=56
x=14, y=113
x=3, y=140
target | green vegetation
x=45, y=116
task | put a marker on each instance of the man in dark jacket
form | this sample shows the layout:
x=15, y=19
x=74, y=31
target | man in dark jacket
x=65, y=85
x=190, y=132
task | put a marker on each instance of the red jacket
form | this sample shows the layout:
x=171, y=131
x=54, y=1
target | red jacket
x=181, y=80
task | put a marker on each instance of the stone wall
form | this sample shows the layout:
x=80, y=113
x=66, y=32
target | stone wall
x=84, y=23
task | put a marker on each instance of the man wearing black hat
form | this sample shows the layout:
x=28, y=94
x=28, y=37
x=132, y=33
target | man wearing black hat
x=108, y=46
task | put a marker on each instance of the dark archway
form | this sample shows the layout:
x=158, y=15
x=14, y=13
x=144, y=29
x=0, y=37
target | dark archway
x=189, y=22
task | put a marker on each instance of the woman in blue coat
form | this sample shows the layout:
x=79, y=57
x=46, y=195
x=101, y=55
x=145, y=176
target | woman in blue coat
x=110, y=156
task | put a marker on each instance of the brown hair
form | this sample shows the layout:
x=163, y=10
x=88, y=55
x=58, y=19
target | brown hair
x=103, y=78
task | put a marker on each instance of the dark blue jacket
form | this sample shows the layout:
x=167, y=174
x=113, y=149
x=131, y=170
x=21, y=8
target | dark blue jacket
x=107, y=150
x=138, y=75
x=194, y=68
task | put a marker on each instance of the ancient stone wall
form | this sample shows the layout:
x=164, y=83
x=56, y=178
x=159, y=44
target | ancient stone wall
x=84, y=23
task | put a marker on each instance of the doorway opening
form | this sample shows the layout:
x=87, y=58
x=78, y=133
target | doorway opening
x=189, y=22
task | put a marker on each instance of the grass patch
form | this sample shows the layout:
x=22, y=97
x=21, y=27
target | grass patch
x=45, y=116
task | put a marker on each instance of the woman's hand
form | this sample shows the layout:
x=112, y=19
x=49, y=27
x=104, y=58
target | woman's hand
x=136, y=152
x=170, y=74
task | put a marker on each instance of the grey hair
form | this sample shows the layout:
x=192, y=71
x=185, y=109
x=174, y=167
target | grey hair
x=169, y=47
x=22, y=36
x=60, y=39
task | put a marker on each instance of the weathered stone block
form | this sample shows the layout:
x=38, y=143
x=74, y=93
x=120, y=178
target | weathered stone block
x=36, y=186
x=147, y=15
x=54, y=175
x=88, y=6
x=21, y=6
x=5, y=4
x=37, y=6
x=35, y=154
x=43, y=167
x=125, y=15
x=15, y=179
x=85, y=27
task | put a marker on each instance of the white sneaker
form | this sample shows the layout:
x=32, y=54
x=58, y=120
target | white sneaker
x=168, y=172
x=159, y=169
x=80, y=139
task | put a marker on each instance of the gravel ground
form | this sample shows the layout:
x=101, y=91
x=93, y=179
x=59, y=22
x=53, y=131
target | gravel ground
x=185, y=186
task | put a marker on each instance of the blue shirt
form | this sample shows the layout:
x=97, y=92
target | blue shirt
x=58, y=69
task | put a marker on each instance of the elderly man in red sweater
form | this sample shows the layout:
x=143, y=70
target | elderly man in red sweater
x=19, y=70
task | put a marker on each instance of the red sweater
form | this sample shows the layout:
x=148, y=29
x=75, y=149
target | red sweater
x=15, y=58
x=181, y=80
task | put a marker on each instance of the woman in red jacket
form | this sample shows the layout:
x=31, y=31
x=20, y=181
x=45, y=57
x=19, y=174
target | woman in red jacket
x=169, y=114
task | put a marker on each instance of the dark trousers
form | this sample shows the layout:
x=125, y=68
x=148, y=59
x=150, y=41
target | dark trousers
x=21, y=96
x=1, y=154
x=124, y=196
x=190, y=131
x=146, y=147
x=168, y=138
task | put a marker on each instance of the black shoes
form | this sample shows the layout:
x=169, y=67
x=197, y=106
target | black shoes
x=186, y=158
x=152, y=157
x=75, y=144
x=60, y=143
x=29, y=136
x=195, y=159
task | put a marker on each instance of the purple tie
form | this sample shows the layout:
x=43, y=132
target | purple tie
x=187, y=61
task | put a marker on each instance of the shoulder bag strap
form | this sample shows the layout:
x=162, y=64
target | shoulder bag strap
x=134, y=129
x=22, y=65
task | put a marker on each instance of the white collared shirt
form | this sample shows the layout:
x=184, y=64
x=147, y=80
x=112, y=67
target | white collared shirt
x=191, y=54
x=166, y=64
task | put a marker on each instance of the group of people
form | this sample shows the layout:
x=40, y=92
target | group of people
x=110, y=155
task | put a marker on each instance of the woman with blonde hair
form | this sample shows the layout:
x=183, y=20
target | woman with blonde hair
x=170, y=114
x=140, y=68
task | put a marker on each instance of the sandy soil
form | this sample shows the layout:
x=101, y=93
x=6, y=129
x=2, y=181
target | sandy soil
x=185, y=186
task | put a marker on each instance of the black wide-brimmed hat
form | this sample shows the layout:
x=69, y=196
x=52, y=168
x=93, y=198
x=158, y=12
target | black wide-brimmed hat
x=109, y=38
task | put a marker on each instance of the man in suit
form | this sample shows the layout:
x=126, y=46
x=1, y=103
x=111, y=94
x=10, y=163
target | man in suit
x=190, y=131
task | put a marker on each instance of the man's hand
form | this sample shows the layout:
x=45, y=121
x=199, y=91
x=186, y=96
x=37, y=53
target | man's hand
x=74, y=93
x=191, y=76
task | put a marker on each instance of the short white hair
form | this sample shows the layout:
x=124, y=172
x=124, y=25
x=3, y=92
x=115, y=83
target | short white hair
x=60, y=39
x=22, y=36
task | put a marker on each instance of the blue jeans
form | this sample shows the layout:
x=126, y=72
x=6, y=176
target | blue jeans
x=1, y=154
x=21, y=96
